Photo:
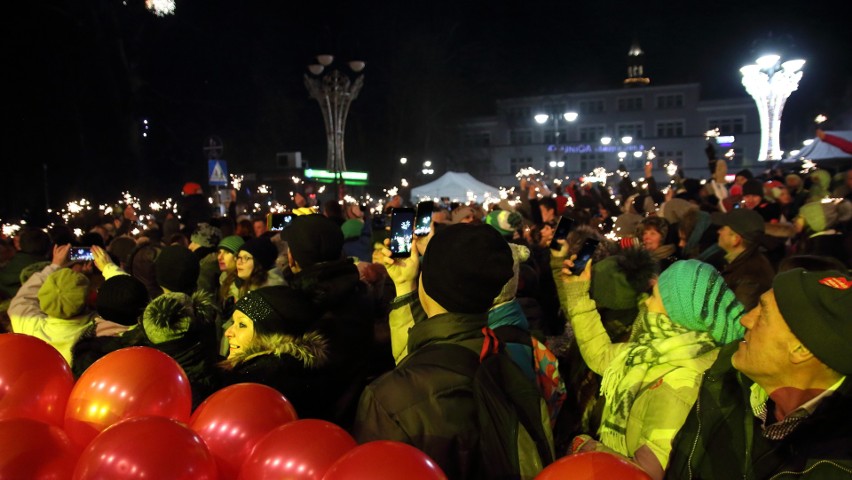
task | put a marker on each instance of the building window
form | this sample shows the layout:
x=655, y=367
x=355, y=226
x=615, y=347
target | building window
x=591, y=133
x=674, y=100
x=518, y=115
x=630, y=104
x=727, y=126
x=476, y=139
x=670, y=129
x=591, y=106
x=634, y=130
x=520, y=137
x=664, y=157
x=516, y=164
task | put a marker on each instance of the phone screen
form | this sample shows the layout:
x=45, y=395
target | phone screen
x=276, y=222
x=584, y=255
x=561, y=232
x=401, y=232
x=423, y=223
x=78, y=254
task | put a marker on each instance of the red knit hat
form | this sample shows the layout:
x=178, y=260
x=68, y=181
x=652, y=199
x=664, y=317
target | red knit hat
x=191, y=188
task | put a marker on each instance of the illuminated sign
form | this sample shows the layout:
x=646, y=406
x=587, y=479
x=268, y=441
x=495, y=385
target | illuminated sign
x=725, y=141
x=589, y=148
x=326, y=176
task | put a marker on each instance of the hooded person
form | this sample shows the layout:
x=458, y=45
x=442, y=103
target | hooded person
x=33, y=246
x=203, y=244
x=651, y=381
x=51, y=305
x=274, y=341
x=318, y=270
x=177, y=269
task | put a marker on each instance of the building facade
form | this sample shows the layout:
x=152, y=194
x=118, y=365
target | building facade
x=612, y=128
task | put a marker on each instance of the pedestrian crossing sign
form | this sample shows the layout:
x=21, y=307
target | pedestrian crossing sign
x=217, y=172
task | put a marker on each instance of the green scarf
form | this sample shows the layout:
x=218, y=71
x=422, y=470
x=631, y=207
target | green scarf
x=656, y=341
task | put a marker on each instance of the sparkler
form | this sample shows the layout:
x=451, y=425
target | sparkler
x=160, y=8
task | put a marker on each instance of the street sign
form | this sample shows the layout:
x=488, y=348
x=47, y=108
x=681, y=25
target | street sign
x=217, y=172
x=213, y=147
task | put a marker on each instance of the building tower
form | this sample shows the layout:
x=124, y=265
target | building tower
x=635, y=67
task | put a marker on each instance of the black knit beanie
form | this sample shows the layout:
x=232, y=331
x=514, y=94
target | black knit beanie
x=278, y=309
x=263, y=251
x=177, y=269
x=466, y=266
x=122, y=299
x=313, y=239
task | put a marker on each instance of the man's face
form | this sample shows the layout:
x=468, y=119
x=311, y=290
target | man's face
x=728, y=239
x=547, y=234
x=259, y=227
x=793, y=182
x=547, y=214
x=751, y=201
x=764, y=353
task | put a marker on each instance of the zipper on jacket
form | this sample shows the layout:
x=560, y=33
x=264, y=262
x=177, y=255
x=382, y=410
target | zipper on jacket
x=807, y=470
x=697, y=435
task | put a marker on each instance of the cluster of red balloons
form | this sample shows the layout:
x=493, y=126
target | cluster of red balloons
x=128, y=416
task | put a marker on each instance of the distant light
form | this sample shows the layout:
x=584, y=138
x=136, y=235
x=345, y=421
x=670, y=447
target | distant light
x=622, y=154
x=570, y=116
x=552, y=164
x=606, y=140
x=637, y=154
x=808, y=142
x=725, y=141
x=160, y=8
x=793, y=65
x=403, y=160
x=794, y=153
x=145, y=121
x=427, y=163
x=767, y=61
x=541, y=118
x=626, y=139
x=560, y=164
x=144, y=134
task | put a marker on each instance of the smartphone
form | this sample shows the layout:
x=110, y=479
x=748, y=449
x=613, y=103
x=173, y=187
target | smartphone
x=80, y=254
x=423, y=220
x=561, y=232
x=584, y=255
x=275, y=222
x=401, y=232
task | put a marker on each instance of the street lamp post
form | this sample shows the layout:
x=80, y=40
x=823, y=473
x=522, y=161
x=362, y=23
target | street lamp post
x=543, y=118
x=334, y=91
x=770, y=82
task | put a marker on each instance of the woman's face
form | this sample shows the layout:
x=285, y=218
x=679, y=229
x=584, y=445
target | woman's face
x=651, y=239
x=245, y=264
x=227, y=261
x=239, y=334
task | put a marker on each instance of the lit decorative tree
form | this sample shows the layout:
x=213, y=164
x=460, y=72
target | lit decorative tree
x=770, y=82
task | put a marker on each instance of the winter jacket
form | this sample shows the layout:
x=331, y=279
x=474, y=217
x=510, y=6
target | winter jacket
x=428, y=406
x=95, y=342
x=749, y=276
x=10, y=274
x=27, y=317
x=208, y=273
x=661, y=408
x=722, y=438
x=348, y=313
x=291, y=365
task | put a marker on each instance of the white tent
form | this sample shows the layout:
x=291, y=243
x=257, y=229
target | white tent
x=819, y=150
x=458, y=186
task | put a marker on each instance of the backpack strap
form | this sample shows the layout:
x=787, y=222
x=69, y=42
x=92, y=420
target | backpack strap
x=491, y=344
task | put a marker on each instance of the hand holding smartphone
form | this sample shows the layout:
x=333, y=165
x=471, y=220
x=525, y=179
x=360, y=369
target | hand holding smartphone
x=561, y=232
x=584, y=255
x=401, y=232
x=423, y=219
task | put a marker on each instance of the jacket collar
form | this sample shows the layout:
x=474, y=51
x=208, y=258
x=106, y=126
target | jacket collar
x=446, y=327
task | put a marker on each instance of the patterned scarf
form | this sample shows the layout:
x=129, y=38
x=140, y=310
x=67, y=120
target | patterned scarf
x=656, y=342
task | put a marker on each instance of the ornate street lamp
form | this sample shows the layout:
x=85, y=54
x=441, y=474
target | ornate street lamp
x=334, y=91
x=541, y=119
x=770, y=82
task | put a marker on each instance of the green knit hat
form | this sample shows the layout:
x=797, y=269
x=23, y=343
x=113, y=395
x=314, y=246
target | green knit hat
x=352, y=228
x=231, y=243
x=697, y=297
x=816, y=307
x=63, y=293
x=504, y=221
x=168, y=317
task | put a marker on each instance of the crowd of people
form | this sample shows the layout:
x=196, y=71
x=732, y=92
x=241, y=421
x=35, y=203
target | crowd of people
x=705, y=338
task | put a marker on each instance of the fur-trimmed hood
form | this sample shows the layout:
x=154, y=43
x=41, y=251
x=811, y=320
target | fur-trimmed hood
x=172, y=315
x=310, y=349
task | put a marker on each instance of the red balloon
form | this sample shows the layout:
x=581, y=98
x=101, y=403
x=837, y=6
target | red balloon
x=130, y=382
x=234, y=419
x=35, y=380
x=591, y=466
x=285, y=453
x=385, y=460
x=33, y=449
x=146, y=447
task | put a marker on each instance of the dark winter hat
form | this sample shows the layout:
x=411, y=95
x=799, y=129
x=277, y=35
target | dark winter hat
x=816, y=307
x=231, y=243
x=697, y=297
x=263, y=251
x=63, y=293
x=745, y=173
x=657, y=223
x=121, y=247
x=618, y=280
x=122, y=299
x=168, y=317
x=746, y=223
x=278, y=309
x=206, y=235
x=466, y=266
x=313, y=239
x=177, y=269
x=753, y=187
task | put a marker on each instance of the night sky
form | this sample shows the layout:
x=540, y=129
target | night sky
x=85, y=73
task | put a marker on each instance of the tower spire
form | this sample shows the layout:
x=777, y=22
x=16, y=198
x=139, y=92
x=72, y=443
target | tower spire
x=635, y=67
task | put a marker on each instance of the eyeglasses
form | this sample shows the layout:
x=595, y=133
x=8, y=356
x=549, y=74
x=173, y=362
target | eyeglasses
x=245, y=258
